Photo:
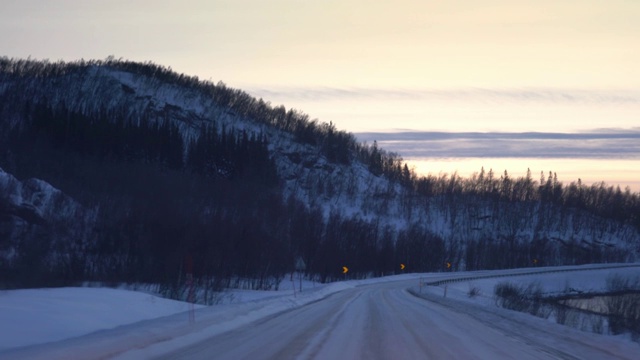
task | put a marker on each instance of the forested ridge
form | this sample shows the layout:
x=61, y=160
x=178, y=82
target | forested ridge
x=172, y=174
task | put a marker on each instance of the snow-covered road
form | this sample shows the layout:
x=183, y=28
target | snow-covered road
x=378, y=318
x=385, y=321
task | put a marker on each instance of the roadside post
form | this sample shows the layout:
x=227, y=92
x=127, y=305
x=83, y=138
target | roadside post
x=191, y=292
x=301, y=266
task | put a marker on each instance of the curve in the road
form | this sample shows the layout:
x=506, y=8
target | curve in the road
x=381, y=321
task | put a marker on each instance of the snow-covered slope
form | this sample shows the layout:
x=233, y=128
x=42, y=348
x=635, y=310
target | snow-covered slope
x=33, y=209
x=34, y=200
x=35, y=316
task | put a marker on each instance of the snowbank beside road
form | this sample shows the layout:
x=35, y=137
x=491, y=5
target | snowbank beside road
x=36, y=316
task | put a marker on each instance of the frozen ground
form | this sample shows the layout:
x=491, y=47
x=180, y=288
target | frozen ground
x=104, y=323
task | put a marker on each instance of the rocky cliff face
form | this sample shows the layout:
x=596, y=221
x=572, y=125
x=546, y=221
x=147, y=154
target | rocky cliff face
x=38, y=219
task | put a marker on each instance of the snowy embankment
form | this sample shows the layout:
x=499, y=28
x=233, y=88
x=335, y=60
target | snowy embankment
x=475, y=293
x=35, y=316
x=552, y=280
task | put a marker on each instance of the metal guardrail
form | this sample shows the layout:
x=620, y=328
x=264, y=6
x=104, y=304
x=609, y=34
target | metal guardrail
x=491, y=276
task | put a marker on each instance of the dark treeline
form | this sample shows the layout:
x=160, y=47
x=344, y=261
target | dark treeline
x=214, y=203
x=209, y=200
x=154, y=198
x=607, y=201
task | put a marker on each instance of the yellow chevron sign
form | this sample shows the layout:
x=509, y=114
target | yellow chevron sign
x=345, y=269
x=401, y=266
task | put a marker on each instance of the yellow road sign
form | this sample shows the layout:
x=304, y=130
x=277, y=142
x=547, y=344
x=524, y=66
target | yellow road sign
x=345, y=269
x=401, y=266
x=448, y=265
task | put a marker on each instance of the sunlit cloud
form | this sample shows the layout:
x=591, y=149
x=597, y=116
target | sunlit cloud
x=596, y=144
x=557, y=96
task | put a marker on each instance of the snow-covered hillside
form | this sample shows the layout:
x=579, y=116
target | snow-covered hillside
x=466, y=228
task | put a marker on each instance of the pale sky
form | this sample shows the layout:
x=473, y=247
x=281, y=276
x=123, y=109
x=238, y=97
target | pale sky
x=379, y=66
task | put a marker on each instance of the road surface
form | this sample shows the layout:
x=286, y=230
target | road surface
x=385, y=321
